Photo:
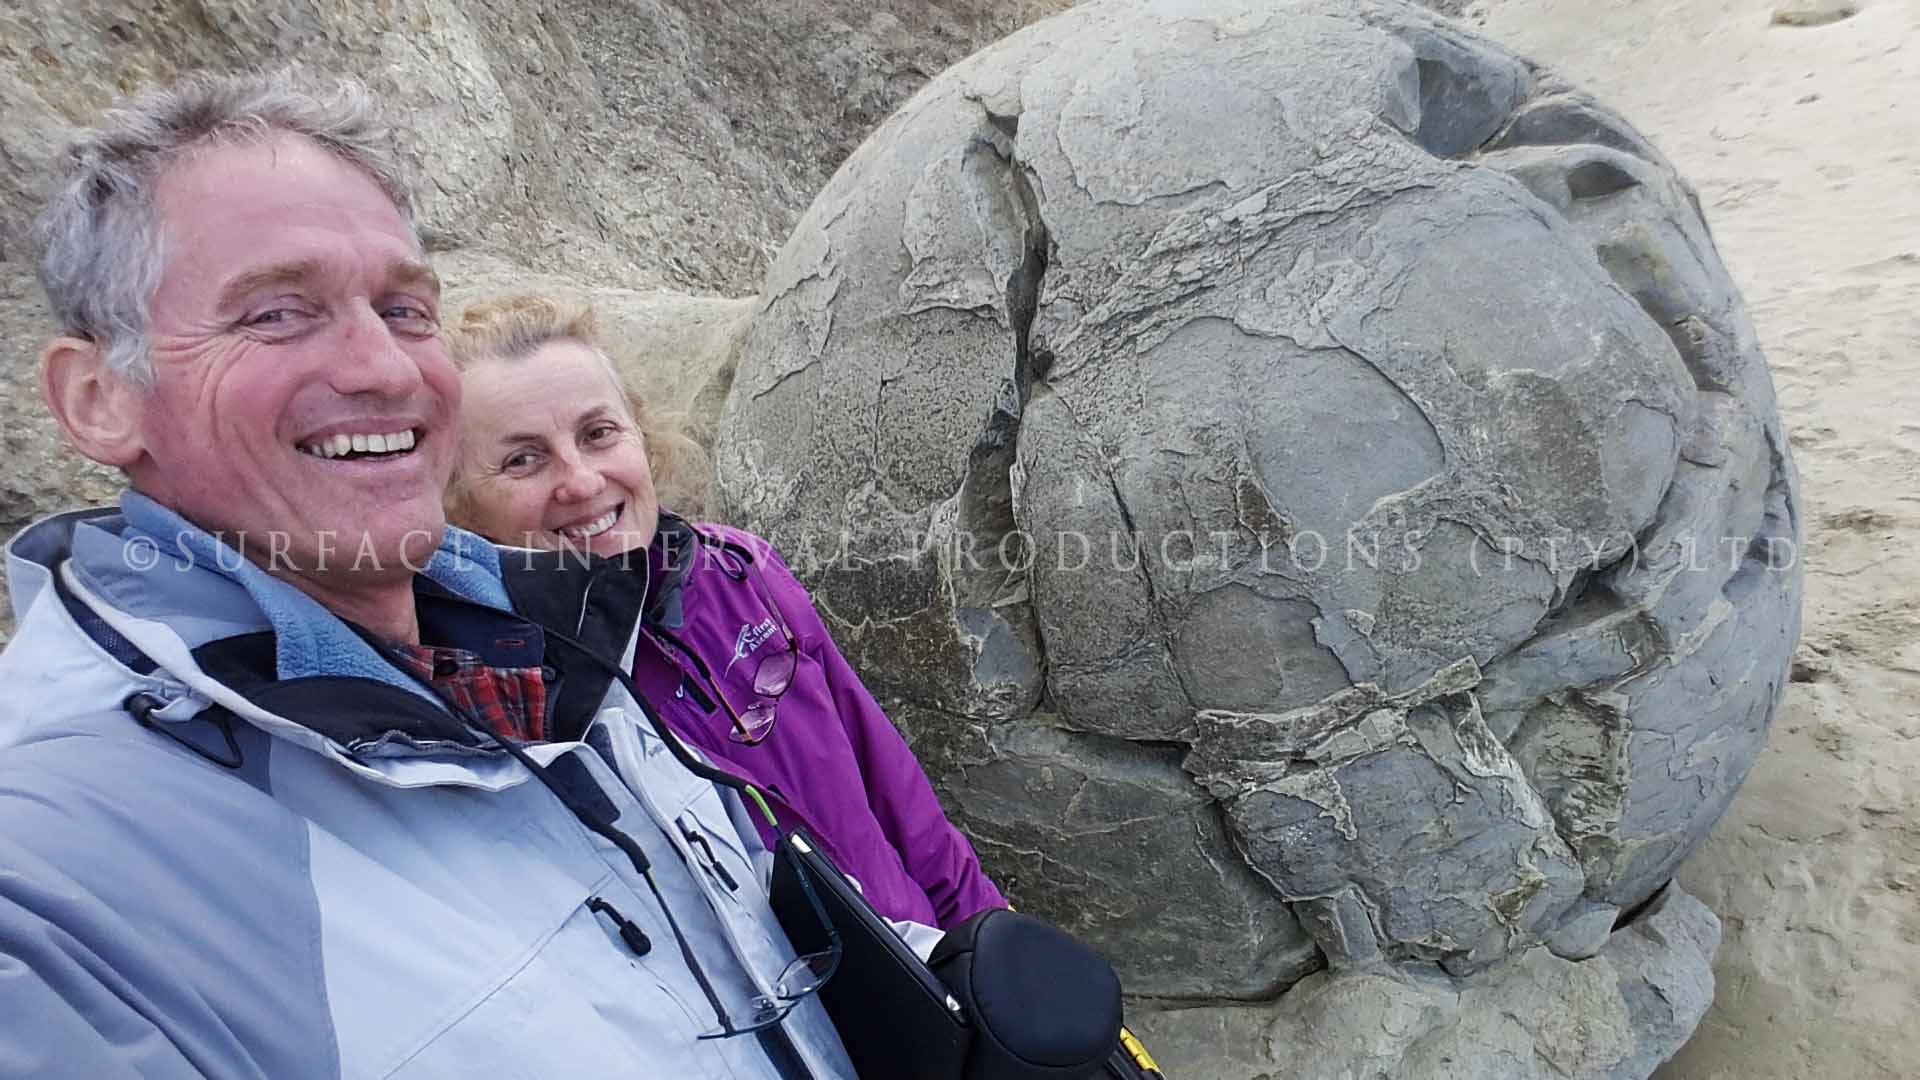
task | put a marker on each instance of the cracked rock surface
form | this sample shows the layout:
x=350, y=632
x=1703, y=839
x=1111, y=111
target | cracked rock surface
x=1304, y=481
x=1616, y=1016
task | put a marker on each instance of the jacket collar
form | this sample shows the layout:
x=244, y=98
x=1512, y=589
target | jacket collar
x=201, y=637
x=373, y=716
x=309, y=640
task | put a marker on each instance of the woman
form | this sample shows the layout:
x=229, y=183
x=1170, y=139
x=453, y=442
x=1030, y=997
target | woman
x=557, y=454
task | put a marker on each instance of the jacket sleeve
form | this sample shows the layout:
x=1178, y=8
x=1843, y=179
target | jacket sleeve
x=936, y=855
x=123, y=905
x=68, y=1013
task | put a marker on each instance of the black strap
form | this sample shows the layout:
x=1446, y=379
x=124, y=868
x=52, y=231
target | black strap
x=686, y=953
x=590, y=815
x=674, y=745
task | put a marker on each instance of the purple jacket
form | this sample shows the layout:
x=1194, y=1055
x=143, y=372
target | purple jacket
x=832, y=760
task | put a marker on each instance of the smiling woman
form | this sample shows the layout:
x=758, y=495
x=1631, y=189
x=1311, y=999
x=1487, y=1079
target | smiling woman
x=725, y=643
x=558, y=452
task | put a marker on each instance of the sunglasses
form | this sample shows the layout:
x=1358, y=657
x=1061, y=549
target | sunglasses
x=800, y=979
x=772, y=674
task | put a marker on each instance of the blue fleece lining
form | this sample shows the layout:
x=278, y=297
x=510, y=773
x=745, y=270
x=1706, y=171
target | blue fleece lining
x=309, y=639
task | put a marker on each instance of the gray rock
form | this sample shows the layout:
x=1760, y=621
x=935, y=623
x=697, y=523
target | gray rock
x=1324, y=399
x=39, y=475
x=1584, y=930
x=1453, y=8
x=665, y=143
x=1369, y=800
x=1617, y=1015
x=65, y=63
x=1091, y=832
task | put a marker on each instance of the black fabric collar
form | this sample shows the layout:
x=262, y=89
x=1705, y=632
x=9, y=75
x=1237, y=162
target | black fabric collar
x=500, y=639
x=362, y=714
x=587, y=598
x=669, y=561
x=584, y=598
x=596, y=600
x=357, y=713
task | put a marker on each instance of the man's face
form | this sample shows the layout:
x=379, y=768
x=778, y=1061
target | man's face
x=295, y=317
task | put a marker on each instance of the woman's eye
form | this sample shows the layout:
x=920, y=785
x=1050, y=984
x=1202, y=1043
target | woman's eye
x=271, y=318
x=599, y=433
x=519, y=462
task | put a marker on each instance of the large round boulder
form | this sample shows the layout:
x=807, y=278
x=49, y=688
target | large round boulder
x=1300, y=475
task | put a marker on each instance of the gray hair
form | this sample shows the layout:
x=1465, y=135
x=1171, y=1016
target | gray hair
x=99, y=239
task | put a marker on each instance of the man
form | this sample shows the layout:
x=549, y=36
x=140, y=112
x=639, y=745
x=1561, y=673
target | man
x=285, y=789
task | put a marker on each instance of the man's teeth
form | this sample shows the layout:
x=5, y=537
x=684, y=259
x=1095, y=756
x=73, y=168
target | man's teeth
x=342, y=445
x=592, y=528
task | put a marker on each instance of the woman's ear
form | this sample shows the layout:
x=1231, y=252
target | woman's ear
x=99, y=410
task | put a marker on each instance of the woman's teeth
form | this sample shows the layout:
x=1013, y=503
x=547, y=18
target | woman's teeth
x=592, y=528
x=337, y=446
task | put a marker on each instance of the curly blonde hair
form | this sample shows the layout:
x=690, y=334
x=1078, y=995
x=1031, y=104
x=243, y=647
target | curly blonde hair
x=511, y=328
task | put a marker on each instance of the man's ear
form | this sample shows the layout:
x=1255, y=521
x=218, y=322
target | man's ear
x=99, y=410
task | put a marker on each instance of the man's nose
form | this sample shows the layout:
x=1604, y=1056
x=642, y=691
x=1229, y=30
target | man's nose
x=371, y=359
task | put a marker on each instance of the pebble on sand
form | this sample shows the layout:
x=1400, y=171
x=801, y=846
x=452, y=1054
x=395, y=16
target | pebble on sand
x=1814, y=12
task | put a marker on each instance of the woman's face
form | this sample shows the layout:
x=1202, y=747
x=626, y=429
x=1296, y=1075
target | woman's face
x=551, y=457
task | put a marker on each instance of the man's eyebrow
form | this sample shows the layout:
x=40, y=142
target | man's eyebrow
x=412, y=273
x=287, y=273
x=401, y=274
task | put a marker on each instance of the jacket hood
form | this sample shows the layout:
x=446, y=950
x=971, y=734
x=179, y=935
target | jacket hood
x=143, y=581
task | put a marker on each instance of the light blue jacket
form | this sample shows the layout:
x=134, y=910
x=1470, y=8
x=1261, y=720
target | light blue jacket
x=390, y=908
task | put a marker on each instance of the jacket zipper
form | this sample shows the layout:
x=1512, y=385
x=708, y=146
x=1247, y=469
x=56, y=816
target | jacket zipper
x=630, y=932
x=706, y=858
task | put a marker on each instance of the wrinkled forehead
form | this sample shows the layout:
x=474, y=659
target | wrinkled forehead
x=279, y=208
x=237, y=151
x=242, y=189
x=562, y=383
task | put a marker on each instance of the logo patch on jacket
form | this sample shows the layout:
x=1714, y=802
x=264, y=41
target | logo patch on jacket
x=751, y=637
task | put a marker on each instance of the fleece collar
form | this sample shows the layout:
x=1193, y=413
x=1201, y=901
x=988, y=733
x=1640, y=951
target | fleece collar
x=309, y=640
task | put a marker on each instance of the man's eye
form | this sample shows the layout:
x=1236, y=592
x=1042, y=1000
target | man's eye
x=409, y=313
x=518, y=462
x=271, y=318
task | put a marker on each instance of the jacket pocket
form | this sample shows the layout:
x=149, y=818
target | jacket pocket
x=583, y=1005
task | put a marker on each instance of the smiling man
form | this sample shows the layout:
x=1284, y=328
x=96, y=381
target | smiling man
x=292, y=331
x=286, y=789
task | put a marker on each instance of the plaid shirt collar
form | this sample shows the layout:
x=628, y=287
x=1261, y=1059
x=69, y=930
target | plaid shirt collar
x=509, y=701
x=484, y=664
